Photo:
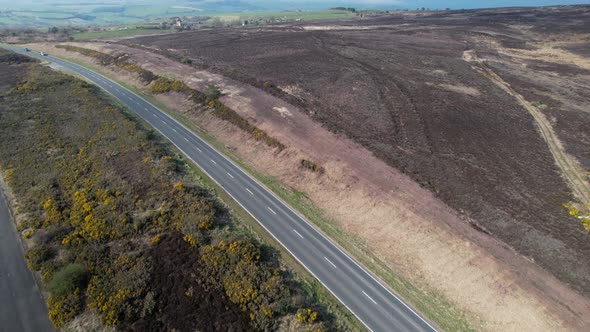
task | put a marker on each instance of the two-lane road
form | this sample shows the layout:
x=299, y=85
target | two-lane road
x=372, y=303
x=22, y=308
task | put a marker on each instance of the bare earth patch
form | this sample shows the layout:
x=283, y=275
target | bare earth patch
x=460, y=89
x=415, y=234
x=337, y=27
x=283, y=111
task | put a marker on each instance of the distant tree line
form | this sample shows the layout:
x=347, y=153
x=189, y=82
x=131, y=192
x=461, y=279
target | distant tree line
x=350, y=9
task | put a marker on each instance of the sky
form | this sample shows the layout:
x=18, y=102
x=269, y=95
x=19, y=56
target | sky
x=457, y=4
x=319, y=4
x=412, y=4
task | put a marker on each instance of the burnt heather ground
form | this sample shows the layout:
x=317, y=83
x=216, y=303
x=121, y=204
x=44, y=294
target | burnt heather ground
x=398, y=85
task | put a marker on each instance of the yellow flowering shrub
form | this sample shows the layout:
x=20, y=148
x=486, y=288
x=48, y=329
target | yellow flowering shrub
x=306, y=315
x=106, y=188
x=583, y=217
x=64, y=308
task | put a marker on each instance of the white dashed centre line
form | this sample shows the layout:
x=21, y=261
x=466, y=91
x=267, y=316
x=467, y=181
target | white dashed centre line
x=248, y=190
x=186, y=139
x=154, y=115
x=164, y=122
x=231, y=176
x=202, y=151
x=329, y=261
x=296, y=232
x=370, y=298
x=271, y=210
x=213, y=161
x=174, y=130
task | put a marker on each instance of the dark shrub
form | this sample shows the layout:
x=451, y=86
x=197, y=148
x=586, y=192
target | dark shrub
x=67, y=279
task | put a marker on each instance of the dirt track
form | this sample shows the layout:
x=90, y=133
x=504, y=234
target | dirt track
x=572, y=171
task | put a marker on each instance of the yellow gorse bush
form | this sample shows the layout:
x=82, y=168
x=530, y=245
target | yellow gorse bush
x=583, y=217
x=109, y=198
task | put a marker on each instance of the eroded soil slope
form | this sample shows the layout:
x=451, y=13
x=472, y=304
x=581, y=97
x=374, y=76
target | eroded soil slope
x=399, y=86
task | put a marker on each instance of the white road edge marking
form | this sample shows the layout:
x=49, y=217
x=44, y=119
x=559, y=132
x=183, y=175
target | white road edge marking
x=68, y=63
x=262, y=225
x=248, y=190
x=296, y=232
x=370, y=298
x=231, y=176
x=305, y=220
x=329, y=261
x=271, y=210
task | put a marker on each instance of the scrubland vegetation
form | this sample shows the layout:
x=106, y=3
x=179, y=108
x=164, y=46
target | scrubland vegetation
x=120, y=61
x=312, y=166
x=159, y=84
x=118, y=226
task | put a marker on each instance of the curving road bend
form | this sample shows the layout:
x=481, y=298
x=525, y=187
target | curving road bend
x=370, y=301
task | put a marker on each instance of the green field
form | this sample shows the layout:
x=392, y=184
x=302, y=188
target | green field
x=117, y=33
x=45, y=14
x=48, y=13
x=288, y=15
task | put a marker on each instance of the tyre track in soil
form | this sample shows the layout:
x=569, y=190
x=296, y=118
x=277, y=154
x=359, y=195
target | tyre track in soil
x=383, y=84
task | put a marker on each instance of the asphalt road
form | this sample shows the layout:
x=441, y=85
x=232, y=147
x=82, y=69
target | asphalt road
x=21, y=307
x=372, y=303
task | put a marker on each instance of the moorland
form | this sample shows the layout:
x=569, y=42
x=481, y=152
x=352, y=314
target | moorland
x=403, y=86
x=435, y=146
